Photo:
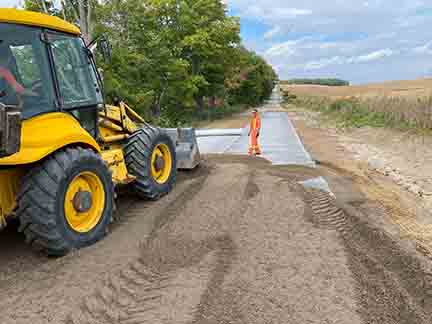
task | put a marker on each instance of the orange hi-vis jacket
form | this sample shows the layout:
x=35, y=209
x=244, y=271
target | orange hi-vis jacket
x=255, y=127
x=255, y=124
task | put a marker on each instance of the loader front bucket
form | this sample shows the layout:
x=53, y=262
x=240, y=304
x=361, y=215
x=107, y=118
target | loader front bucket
x=187, y=151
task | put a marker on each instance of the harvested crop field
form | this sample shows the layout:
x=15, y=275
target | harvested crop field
x=405, y=89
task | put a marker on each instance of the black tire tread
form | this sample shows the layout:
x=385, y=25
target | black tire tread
x=36, y=201
x=137, y=152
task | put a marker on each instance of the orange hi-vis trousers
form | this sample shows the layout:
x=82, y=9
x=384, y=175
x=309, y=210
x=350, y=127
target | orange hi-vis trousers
x=255, y=127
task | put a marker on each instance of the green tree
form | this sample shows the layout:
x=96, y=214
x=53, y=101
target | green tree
x=45, y=6
x=171, y=58
x=252, y=79
x=181, y=48
x=79, y=12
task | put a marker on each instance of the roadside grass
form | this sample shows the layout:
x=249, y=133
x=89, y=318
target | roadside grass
x=399, y=113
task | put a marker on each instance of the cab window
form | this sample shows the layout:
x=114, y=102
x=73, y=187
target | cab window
x=26, y=64
x=77, y=80
x=25, y=74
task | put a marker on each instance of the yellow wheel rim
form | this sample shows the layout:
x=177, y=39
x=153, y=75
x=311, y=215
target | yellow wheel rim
x=84, y=202
x=161, y=163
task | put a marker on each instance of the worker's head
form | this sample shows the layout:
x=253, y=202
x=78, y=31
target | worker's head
x=254, y=112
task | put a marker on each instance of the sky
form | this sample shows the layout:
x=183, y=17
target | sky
x=9, y=3
x=357, y=40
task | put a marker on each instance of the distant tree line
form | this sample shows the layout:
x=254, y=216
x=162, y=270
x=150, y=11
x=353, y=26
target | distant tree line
x=171, y=58
x=320, y=81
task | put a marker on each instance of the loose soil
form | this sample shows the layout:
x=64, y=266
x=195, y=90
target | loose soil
x=237, y=241
x=390, y=166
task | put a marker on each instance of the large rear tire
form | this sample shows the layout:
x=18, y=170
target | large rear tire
x=66, y=202
x=150, y=156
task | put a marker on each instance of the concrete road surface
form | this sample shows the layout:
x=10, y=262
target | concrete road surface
x=279, y=141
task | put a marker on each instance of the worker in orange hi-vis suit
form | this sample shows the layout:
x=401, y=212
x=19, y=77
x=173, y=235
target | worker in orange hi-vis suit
x=254, y=132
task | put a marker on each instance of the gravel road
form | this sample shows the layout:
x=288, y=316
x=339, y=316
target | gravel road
x=238, y=241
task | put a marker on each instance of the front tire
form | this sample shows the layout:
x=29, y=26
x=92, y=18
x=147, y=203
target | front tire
x=66, y=202
x=150, y=156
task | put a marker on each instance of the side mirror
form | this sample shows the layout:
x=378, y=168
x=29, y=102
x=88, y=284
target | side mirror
x=103, y=45
x=106, y=49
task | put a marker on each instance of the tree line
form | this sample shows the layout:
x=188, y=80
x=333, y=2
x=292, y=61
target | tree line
x=172, y=59
x=321, y=81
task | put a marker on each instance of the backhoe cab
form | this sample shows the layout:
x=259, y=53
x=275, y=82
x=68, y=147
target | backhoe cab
x=63, y=151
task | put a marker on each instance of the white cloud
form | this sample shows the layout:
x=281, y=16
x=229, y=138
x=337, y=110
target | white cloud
x=308, y=45
x=319, y=64
x=424, y=49
x=339, y=60
x=384, y=36
x=372, y=56
x=272, y=33
x=292, y=12
x=269, y=13
x=283, y=49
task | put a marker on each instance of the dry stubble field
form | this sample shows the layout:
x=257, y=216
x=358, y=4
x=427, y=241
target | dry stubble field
x=407, y=89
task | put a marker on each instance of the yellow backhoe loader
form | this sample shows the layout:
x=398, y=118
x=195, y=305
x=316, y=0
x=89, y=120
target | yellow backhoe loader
x=63, y=151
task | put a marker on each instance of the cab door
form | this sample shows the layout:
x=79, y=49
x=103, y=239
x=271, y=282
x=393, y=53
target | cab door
x=79, y=89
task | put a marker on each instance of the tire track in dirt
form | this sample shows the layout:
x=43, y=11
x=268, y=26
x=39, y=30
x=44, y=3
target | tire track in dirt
x=174, y=208
x=387, y=290
x=136, y=290
x=141, y=294
x=152, y=288
x=206, y=311
x=328, y=215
